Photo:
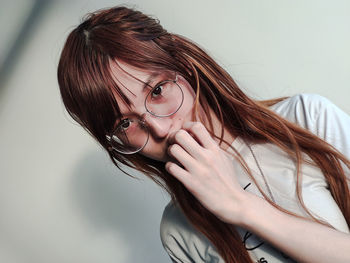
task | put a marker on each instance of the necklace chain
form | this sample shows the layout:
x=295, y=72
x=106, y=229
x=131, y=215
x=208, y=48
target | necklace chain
x=262, y=173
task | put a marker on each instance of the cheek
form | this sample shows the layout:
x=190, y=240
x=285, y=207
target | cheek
x=187, y=104
x=185, y=113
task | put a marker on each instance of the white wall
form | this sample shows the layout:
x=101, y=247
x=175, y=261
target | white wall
x=60, y=198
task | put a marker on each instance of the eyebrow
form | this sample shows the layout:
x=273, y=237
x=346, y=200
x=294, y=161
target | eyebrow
x=149, y=80
x=144, y=89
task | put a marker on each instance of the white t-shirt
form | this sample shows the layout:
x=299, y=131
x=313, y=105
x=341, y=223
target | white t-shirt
x=313, y=112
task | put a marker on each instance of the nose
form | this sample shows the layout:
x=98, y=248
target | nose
x=159, y=126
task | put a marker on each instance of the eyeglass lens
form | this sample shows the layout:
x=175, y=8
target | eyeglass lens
x=132, y=134
x=164, y=99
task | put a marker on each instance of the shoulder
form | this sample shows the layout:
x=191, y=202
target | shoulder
x=303, y=109
x=320, y=116
x=173, y=220
x=175, y=228
x=305, y=101
x=181, y=240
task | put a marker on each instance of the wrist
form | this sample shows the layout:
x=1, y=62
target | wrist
x=255, y=210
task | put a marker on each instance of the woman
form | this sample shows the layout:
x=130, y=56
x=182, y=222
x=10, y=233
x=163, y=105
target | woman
x=250, y=181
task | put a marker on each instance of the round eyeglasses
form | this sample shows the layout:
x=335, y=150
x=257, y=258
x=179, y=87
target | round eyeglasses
x=131, y=134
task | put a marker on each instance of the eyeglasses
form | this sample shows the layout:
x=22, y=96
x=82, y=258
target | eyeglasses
x=131, y=134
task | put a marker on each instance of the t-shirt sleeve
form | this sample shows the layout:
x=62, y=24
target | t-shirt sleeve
x=333, y=125
x=182, y=242
x=323, y=118
x=320, y=116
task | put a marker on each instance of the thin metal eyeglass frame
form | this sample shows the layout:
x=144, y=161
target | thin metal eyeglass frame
x=142, y=121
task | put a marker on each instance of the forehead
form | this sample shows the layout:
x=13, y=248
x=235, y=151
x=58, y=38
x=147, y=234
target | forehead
x=128, y=79
x=133, y=82
x=126, y=75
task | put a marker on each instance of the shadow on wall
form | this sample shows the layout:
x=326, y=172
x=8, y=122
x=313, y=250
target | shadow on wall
x=114, y=203
x=25, y=32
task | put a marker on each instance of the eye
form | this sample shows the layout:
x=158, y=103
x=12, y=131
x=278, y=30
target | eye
x=157, y=91
x=125, y=124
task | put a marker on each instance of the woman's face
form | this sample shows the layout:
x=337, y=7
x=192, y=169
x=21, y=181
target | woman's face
x=131, y=81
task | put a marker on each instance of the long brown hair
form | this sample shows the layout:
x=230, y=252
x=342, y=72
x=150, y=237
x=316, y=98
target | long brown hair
x=87, y=89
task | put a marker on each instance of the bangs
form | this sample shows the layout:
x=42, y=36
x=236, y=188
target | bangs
x=90, y=90
x=149, y=81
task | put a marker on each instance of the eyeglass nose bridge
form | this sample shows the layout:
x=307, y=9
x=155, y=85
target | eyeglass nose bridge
x=143, y=120
x=159, y=126
x=143, y=117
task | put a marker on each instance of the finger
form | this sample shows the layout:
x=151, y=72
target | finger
x=181, y=174
x=201, y=134
x=186, y=141
x=182, y=156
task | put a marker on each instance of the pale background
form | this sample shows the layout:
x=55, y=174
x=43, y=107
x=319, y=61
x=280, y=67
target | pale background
x=60, y=198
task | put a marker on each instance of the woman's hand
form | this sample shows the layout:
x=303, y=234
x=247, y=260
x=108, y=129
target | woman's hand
x=207, y=171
